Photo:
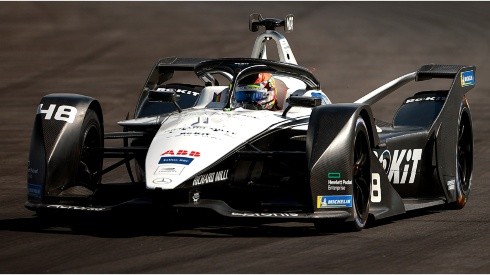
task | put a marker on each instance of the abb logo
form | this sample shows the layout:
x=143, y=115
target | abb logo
x=182, y=153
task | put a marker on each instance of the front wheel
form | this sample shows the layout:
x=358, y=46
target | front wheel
x=91, y=159
x=87, y=176
x=361, y=180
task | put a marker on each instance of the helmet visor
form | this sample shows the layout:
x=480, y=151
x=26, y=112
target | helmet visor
x=250, y=93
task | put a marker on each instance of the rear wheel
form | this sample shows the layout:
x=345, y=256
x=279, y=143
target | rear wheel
x=464, y=161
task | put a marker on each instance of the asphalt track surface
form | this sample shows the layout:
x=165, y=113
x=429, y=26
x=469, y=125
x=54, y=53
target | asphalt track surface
x=106, y=50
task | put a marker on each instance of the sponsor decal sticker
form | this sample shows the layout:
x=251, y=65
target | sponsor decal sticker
x=175, y=160
x=336, y=201
x=169, y=170
x=211, y=177
x=196, y=197
x=467, y=78
x=63, y=112
x=264, y=214
x=401, y=165
x=180, y=91
x=162, y=181
x=199, y=130
x=34, y=190
x=168, y=157
x=182, y=153
x=427, y=98
x=31, y=171
x=73, y=207
x=375, y=187
x=335, y=182
x=451, y=184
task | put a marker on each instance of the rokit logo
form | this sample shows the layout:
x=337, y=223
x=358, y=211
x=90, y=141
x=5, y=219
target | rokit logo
x=180, y=91
x=427, y=98
x=401, y=165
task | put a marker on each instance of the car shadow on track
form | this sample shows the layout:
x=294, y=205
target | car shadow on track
x=408, y=215
x=134, y=226
x=198, y=226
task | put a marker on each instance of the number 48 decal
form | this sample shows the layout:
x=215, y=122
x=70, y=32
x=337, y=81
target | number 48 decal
x=375, y=188
x=64, y=112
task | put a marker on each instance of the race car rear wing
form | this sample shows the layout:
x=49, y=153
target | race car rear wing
x=179, y=62
x=464, y=73
x=427, y=72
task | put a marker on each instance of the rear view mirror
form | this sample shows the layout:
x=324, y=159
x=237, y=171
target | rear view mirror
x=302, y=101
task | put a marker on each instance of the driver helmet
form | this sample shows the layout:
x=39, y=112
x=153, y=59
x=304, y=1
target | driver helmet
x=257, y=91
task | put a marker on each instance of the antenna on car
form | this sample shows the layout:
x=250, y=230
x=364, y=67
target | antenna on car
x=284, y=50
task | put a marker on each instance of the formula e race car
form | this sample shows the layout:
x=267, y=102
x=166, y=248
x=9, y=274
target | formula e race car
x=257, y=138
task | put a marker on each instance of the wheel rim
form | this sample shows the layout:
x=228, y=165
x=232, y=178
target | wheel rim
x=361, y=176
x=90, y=160
x=464, y=156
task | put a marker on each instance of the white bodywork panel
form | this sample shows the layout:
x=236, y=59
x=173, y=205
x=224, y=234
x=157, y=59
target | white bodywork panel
x=191, y=141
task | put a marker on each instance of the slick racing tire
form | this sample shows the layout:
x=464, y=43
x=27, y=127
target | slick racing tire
x=91, y=143
x=464, y=158
x=361, y=177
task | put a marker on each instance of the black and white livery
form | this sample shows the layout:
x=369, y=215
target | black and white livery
x=193, y=144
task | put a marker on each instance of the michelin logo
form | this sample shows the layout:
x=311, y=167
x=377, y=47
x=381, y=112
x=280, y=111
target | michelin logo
x=339, y=201
x=467, y=78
